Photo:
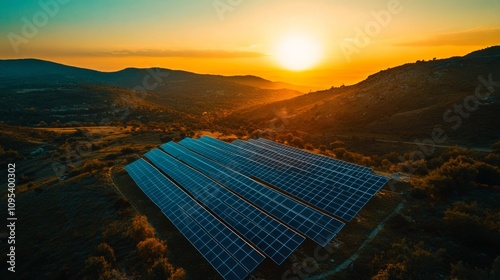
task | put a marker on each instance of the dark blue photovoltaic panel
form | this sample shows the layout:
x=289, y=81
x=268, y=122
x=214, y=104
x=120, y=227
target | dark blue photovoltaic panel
x=232, y=257
x=327, y=162
x=342, y=196
x=306, y=165
x=271, y=237
x=313, y=224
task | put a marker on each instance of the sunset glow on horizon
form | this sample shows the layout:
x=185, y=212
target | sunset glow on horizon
x=318, y=43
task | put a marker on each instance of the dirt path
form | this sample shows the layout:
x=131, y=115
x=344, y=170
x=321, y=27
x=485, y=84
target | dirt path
x=479, y=149
x=365, y=243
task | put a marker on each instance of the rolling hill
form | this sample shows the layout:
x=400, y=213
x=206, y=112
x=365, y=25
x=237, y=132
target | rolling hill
x=41, y=90
x=400, y=103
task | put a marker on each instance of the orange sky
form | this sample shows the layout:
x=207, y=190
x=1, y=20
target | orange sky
x=354, y=38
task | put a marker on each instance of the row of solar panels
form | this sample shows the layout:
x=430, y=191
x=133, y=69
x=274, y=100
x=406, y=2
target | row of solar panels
x=337, y=187
x=231, y=208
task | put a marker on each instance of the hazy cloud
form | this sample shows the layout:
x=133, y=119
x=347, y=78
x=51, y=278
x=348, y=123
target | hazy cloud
x=473, y=37
x=186, y=53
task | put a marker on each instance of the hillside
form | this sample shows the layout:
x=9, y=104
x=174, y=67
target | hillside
x=399, y=103
x=41, y=90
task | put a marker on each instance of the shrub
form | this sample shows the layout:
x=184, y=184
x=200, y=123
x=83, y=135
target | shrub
x=337, y=144
x=130, y=159
x=140, y=229
x=162, y=269
x=493, y=159
x=339, y=152
x=386, y=164
x=95, y=147
x=151, y=249
x=297, y=142
x=487, y=174
x=392, y=272
x=93, y=165
x=417, y=167
x=128, y=150
x=410, y=261
x=96, y=267
x=107, y=252
x=454, y=176
x=462, y=271
x=472, y=225
x=111, y=157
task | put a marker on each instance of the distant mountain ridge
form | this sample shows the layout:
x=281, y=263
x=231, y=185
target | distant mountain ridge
x=42, y=90
x=128, y=77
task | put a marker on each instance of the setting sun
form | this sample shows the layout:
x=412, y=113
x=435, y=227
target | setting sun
x=297, y=52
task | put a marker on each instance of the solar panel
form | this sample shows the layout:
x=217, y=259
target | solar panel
x=311, y=223
x=346, y=200
x=321, y=160
x=306, y=165
x=231, y=256
x=271, y=237
x=343, y=197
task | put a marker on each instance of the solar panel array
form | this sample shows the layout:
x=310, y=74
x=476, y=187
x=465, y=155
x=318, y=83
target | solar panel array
x=342, y=195
x=267, y=234
x=230, y=255
x=241, y=202
x=311, y=223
